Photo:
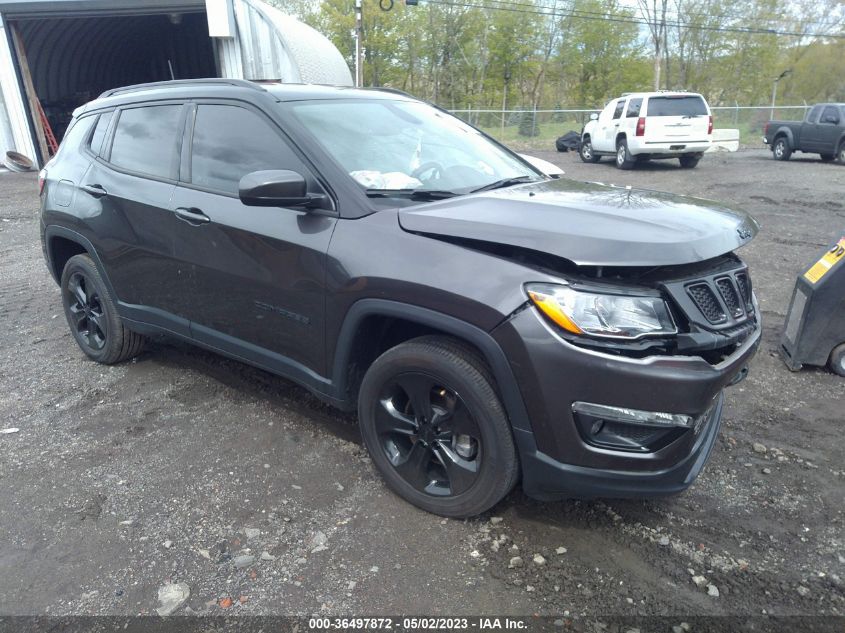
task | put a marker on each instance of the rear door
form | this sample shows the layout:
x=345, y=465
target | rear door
x=810, y=137
x=607, y=125
x=681, y=118
x=256, y=282
x=128, y=192
x=828, y=130
x=632, y=115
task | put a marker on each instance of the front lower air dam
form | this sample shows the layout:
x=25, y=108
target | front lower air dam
x=814, y=333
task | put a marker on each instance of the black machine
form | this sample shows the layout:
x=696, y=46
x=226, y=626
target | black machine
x=815, y=324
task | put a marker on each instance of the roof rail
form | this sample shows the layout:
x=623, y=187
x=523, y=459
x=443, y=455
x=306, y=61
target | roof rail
x=178, y=83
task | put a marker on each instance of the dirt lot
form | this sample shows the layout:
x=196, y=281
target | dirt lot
x=182, y=465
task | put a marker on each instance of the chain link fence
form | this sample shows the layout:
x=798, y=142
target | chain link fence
x=538, y=129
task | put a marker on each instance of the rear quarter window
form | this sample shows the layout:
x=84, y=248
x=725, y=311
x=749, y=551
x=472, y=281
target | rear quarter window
x=76, y=133
x=634, y=106
x=676, y=106
x=99, y=134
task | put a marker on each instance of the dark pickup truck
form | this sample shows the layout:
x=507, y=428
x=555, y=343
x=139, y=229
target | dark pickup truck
x=821, y=132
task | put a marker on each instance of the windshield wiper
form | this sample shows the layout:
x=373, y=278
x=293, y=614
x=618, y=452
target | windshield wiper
x=504, y=182
x=413, y=194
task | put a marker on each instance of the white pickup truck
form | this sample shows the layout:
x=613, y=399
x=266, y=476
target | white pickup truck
x=649, y=125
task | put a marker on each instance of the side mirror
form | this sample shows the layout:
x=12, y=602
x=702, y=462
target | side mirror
x=594, y=116
x=277, y=188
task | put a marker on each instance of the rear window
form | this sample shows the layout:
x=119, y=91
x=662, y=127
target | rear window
x=676, y=106
x=145, y=140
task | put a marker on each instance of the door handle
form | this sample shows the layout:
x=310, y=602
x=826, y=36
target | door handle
x=98, y=191
x=192, y=215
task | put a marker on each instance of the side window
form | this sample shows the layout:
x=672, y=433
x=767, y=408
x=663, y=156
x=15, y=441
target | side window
x=813, y=117
x=230, y=142
x=145, y=139
x=634, y=106
x=620, y=106
x=99, y=134
x=830, y=116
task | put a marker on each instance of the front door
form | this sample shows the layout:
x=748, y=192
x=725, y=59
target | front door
x=257, y=274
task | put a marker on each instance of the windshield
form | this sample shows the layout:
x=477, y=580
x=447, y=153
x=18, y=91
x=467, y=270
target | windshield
x=390, y=145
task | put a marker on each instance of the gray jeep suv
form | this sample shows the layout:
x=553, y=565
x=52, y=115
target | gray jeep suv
x=487, y=322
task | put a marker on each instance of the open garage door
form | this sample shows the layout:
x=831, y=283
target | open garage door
x=72, y=60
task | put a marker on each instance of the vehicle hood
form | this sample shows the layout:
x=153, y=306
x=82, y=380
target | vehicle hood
x=590, y=224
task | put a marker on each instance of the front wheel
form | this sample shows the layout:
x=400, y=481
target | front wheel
x=689, y=161
x=92, y=315
x=586, y=152
x=836, y=363
x=624, y=160
x=780, y=150
x=435, y=428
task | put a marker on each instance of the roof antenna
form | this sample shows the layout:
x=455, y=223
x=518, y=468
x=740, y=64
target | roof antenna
x=170, y=67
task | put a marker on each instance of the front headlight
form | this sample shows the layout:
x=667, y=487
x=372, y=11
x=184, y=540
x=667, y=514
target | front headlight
x=602, y=315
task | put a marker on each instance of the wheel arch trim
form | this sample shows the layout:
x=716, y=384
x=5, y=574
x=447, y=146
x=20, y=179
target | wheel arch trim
x=52, y=231
x=486, y=344
x=786, y=132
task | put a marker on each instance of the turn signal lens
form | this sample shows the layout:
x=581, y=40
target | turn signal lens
x=552, y=309
x=710, y=125
x=602, y=315
x=42, y=180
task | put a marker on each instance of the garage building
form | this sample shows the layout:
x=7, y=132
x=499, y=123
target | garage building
x=58, y=54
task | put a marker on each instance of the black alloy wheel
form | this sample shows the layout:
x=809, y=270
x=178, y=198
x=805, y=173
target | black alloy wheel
x=88, y=321
x=429, y=435
x=92, y=315
x=432, y=421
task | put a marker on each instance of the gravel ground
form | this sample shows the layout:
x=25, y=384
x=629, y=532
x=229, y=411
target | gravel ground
x=185, y=467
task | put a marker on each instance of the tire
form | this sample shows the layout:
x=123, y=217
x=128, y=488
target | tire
x=92, y=315
x=780, y=150
x=836, y=363
x=414, y=422
x=624, y=160
x=585, y=151
x=689, y=161
x=827, y=157
x=840, y=153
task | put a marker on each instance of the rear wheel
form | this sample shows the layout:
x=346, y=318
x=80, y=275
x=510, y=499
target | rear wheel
x=435, y=428
x=624, y=160
x=586, y=151
x=780, y=150
x=92, y=315
x=841, y=153
x=689, y=161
